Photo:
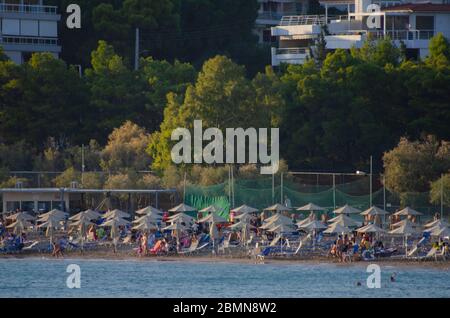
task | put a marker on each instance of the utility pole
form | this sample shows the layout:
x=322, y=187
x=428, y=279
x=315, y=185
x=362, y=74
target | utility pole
x=371, y=174
x=82, y=163
x=442, y=196
x=136, y=51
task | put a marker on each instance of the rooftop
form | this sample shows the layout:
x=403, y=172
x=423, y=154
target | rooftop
x=419, y=7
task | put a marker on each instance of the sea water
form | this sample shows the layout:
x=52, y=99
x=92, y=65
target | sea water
x=178, y=279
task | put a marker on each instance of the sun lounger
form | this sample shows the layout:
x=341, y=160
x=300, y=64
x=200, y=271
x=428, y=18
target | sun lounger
x=264, y=253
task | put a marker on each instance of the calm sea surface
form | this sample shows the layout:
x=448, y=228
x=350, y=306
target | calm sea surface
x=47, y=278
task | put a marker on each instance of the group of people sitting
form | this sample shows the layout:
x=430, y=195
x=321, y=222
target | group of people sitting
x=348, y=249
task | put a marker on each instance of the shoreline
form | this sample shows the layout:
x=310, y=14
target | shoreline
x=127, y=256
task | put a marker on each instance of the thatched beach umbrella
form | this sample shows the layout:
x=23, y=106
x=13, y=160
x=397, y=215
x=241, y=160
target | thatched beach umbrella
x=311, y=207
x=314, y=225
x=278, y=217
x=406, y=222
x=244, y=217
x=114, y=214
x=244, y=209
x=213, y=218
x=282, y=228
x=182, y=208
x=439, y=231
x=54, y=215
x=280, y=220
x=210, y=209
x=152, y=218
x=20, y=226
x=149, y=210
x=345, y=221
x=145, y=225
x=371, y=228
x=373, y=211
x=439, y=223
x=336, y=228
x=88, y=214
x=82, y=224
x=52, y=223
x=115, y=223
x=21, y=216
x=407, y=229
x=277, y=208
x=181, y=217
x=347, y=209
x=408, y=212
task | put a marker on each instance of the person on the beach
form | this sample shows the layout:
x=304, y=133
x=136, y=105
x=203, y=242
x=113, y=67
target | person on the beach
x=57, y=252
x=144, y=244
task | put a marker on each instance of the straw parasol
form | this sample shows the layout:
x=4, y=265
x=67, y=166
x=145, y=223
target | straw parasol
x=210, y=209
x=148, y=218
x=52, y=222
x=241, y=225
x=181, y=217
x=244, y=209
x=371, y=228
x=23, y=216
x=440, y=223
x=440, y=231
x=406, y=222
x=177, y=226
x=116, y=214
x=314, y=225
x=182, y=208
x=149, y=210
x=244, y=217
x=212, y=218
x=336, y=228
x=145, y=225
x=277, y=208
x=347, y=209
x=282, y=228
x=407, y=212
x=114, y=223
x=277, y=221
x=311, y=207
x=345, y=221
x=373, y=211
x=53, y=214
x=90, y=214
x=277, y=217
x=405, y=230
x=20, y=226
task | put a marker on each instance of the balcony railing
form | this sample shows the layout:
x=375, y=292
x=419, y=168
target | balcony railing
x=26, y=8
x=405, y=35
x=292, y=50
x=270, y=15
x=288, y=20
x=24, y=40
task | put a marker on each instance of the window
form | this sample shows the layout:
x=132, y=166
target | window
x=28, y=206
x=267, y=36
x=44, y=206
x=12, y=206
x=425, y=22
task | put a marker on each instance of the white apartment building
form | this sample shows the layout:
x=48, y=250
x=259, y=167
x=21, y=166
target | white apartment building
x=270, y=13
x=412, y=22
x=26, y=27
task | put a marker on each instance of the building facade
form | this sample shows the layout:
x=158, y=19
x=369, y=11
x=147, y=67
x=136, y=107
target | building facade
x=26, y=27
x=411, y=22
x=270, y=13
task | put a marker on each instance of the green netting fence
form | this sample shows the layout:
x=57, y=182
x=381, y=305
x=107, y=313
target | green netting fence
x=263, y=192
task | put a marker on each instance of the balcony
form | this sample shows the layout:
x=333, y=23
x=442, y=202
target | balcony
x=30, y=44
x=271, y=17
x=293, y=55
x=27, y=9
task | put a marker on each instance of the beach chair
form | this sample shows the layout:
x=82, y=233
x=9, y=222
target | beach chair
x=191, y=249
x=431, y=254
x=264, y=253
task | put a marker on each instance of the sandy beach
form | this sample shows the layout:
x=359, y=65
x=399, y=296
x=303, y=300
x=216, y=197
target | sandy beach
x=129, y=255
